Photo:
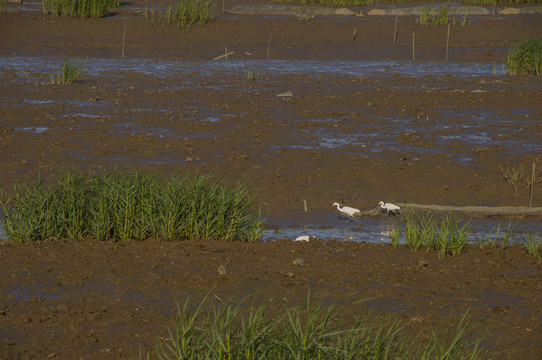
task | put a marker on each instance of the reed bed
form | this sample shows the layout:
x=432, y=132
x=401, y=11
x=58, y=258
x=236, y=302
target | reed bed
x=79, y=8
x=231, y=330
x=184, y=13
x=117, y=206
x=526, y=57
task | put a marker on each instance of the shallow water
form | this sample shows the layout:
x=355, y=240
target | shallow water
x=329, y=226
x=454, y=132
x=376, y=229
x=163, y=69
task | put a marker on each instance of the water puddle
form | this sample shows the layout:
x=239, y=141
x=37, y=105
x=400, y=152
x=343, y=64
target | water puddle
x=314, y=68
x=377, y=229
x=330, y=226
x=34, y=130
x=37, y=290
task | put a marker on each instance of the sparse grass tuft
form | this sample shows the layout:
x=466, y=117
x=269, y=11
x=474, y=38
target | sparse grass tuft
x=115, y=206
x=526, y=57
x=514, y=176
x=231, y=330
x=395, y=234
x=69, y=71
x=427, y=15
x=251, y=75
x=3, y=5
x=534, y=246
x=79, y=8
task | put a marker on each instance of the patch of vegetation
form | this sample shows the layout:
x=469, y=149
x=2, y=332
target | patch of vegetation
x=427, y=15
x=331, y=2
x=534, y=246
x=3, y=5
x=185, y=13
x=251, y=75
x=116, y=206
x=519, y=177
x=79, y=8
x=448, y=237
x=526, y=57
x=69, y=72
x=230, y=330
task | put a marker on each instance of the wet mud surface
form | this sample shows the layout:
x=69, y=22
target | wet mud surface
x=364, y=123
x=71, y=300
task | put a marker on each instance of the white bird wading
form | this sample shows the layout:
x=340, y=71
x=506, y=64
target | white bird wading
x=347, y=210
x=389, y=207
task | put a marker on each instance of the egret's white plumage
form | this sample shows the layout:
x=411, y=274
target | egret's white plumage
x=349, y=211
x=303, y=238
x=389, y=207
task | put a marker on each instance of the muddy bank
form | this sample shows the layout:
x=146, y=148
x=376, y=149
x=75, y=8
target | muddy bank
x=86, y=299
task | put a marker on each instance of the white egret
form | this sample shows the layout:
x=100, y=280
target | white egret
x=389, y=207
x=303, y=238
x=349, y=211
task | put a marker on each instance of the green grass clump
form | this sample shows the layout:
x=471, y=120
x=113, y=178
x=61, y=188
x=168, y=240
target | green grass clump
x=447, y=238
x=3, y=5
x=230, y=330
x=526, y=57
x=534, y=246
x=69, y=71
x=185, y=13
x=130, y=206
x=427, y=15
x=79, y=8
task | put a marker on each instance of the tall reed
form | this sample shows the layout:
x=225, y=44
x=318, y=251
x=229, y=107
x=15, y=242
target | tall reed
x=120, y=206
x=230, y=330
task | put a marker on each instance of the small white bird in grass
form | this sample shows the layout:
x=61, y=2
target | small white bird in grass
x=349, y=211
x=305, y=238
x=389, y=207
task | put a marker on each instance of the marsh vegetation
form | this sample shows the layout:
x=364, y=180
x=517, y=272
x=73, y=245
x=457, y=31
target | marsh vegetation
x=119, y=206
x=231, y=331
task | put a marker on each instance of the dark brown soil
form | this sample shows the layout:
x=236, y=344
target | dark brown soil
x=71, y=299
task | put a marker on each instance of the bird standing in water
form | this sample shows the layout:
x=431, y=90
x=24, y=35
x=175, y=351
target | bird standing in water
x=347, y=210
x=389, y=207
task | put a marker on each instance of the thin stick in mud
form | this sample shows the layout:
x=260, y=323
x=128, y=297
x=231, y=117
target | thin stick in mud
x=123, y=37
x=413, y=54
x=269, y=45
x=447, y=41
x=533, y=174
x=395, y=33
